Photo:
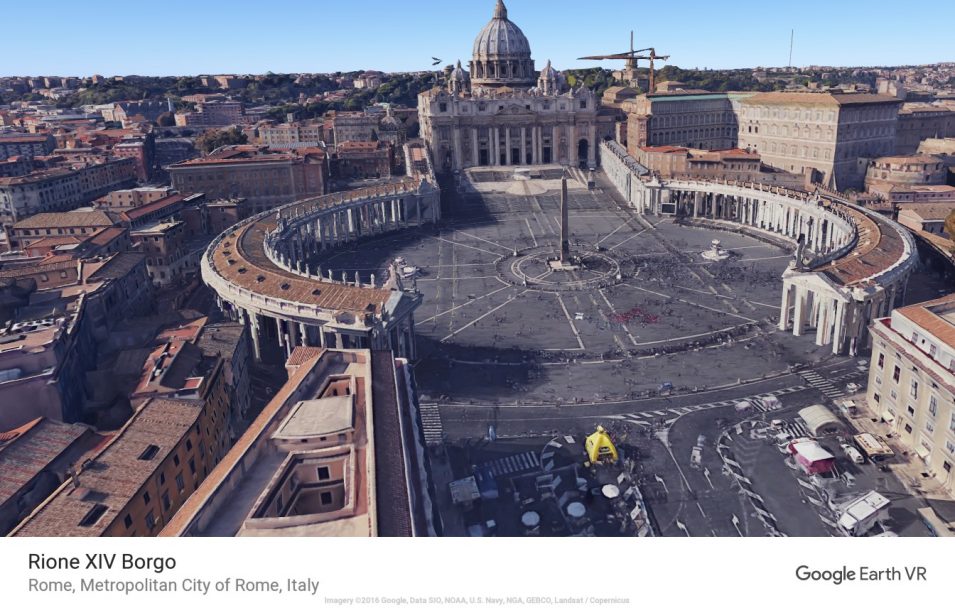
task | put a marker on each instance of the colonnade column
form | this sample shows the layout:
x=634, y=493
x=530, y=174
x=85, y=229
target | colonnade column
x=799, y=315
x=495, y=146
x=523, y=159
x=456, y=155
x=255, y=329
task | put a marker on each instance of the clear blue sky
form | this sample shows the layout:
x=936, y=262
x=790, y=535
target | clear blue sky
x=176, y=37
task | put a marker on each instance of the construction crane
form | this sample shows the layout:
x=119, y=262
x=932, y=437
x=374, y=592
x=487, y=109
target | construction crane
x=631, y=57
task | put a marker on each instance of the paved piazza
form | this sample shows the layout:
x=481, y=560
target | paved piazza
x=499, y=325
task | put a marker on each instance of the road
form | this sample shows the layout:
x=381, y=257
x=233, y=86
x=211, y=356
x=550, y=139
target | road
x=461, y=420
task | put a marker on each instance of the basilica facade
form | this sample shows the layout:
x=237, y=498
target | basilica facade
x=501, y=112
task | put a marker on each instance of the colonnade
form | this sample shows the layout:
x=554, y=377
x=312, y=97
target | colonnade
x=822, y=225
x=282, y=335
x=521, y=144
x=296, y=240
x=335, y=313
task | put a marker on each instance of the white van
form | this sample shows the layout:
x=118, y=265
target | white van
x=852, y=453
x=848, y=408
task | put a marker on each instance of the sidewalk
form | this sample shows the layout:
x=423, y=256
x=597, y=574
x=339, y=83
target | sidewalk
x=906, y=466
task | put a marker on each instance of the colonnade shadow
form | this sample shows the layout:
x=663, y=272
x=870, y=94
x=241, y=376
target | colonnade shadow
x=373, y=253
x=476, y=372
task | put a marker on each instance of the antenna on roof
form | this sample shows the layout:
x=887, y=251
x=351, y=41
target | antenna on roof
x=792, y=34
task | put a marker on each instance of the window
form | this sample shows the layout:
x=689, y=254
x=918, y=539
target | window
x=188, y=445
x=150, y=520
x=93, y=515
x=947, y=466
x=442, y=107
x=881, y=360
x=162, y=479
x=128, y=521
x=911, y=410
x=150, y=452
x=950, y=447
x=165, y=501
x=326, y=498
x=896, y=373
x=175, y=460
x=877, y=397
x=192, y=466
x=179, y=483
x=951, y=423
x=933, y=405
x=914, y=389
x=908, y=428
x=146, y=498
x=323, y=473
x=929, y=426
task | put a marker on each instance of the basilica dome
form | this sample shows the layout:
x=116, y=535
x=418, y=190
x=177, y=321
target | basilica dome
x=502, y=54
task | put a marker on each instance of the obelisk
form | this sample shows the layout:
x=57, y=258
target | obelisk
x=564, y=229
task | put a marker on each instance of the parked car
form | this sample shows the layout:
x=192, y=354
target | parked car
x=852, y=453
x=848, y=408
x=771, y=402
x=743, y=405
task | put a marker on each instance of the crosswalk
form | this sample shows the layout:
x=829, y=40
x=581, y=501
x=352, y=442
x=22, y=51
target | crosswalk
x=649, y=417
x=431, y=423
x=511, y=465
x=796, y=428
x=821, y=384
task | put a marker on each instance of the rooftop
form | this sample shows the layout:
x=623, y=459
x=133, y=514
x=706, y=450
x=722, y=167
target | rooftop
x=31, y=448
x=239, y=257
x=823, y=98
x=24, y=139
x=238, y=505
x=313, y=417
x=936, y=317
x=878, y=247
x=905, y=159
x=154, y=206
x=66, y=219
x=929, y=211
x=116, y=266
x=108, y=481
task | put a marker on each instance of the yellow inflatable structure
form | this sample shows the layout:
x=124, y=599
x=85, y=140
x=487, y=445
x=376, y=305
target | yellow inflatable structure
x=600, y=448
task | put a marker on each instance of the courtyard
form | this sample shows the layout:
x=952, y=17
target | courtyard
x=642, y=310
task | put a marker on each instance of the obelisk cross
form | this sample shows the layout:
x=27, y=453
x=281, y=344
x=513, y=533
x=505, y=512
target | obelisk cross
x=564, y=228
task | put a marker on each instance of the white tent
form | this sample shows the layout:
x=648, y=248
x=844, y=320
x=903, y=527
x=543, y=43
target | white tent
x=820, y=421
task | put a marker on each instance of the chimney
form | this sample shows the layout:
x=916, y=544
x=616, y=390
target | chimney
x=73, y=477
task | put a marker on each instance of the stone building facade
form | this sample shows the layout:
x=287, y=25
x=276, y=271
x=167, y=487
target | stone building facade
x=264, y=176
x=502, y=114
x=915, y=170
x=833, y=134
x=693, y=119
x=62, y=188
x=921, y=121
x=911, y=385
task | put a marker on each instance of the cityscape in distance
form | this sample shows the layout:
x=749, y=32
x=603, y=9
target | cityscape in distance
x=489, y=297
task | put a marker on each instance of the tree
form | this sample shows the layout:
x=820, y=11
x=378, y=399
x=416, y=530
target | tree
x=950, y=228
x=210, y=140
